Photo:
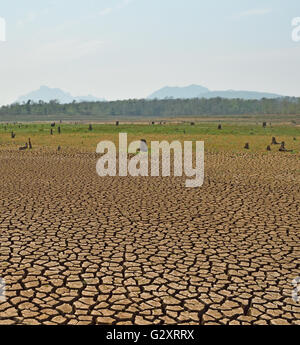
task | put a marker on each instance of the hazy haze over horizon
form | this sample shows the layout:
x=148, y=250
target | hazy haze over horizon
x=119, y=49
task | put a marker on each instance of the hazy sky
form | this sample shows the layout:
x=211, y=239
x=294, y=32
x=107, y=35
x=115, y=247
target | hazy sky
x=121, y=49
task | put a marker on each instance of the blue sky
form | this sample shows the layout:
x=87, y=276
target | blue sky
x=121, y=49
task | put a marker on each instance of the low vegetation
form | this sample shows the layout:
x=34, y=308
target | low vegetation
x=231, y=137
x=158, y=108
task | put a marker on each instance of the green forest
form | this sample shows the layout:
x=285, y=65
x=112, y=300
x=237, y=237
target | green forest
x=163, y=108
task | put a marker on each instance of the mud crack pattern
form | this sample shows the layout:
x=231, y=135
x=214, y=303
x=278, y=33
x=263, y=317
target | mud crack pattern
x=80, y=249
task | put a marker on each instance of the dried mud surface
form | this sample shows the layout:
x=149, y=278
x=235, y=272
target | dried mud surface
x=79, y=249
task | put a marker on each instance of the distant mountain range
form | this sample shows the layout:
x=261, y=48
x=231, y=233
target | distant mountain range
x=46, y=94
x=197, y=91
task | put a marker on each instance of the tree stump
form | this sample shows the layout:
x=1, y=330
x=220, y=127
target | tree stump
x=282, y=147
x=22, y=148
x=247, y=146
x=274, y=142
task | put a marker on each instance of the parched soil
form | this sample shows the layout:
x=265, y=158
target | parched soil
x=80, y=249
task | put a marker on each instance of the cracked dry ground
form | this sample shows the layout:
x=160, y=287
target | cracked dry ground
x=80, y=249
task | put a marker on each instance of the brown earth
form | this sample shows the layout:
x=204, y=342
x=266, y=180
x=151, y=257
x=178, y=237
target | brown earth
x=79, y=249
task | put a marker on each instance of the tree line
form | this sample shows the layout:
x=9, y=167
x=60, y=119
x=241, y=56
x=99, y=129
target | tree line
x=156, y=108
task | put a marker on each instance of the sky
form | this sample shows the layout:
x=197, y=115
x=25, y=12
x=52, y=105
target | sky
x=120, y=49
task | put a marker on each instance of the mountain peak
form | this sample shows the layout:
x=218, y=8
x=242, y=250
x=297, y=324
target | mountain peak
x=47, y=94
x=198, y=91
x=191, y=91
